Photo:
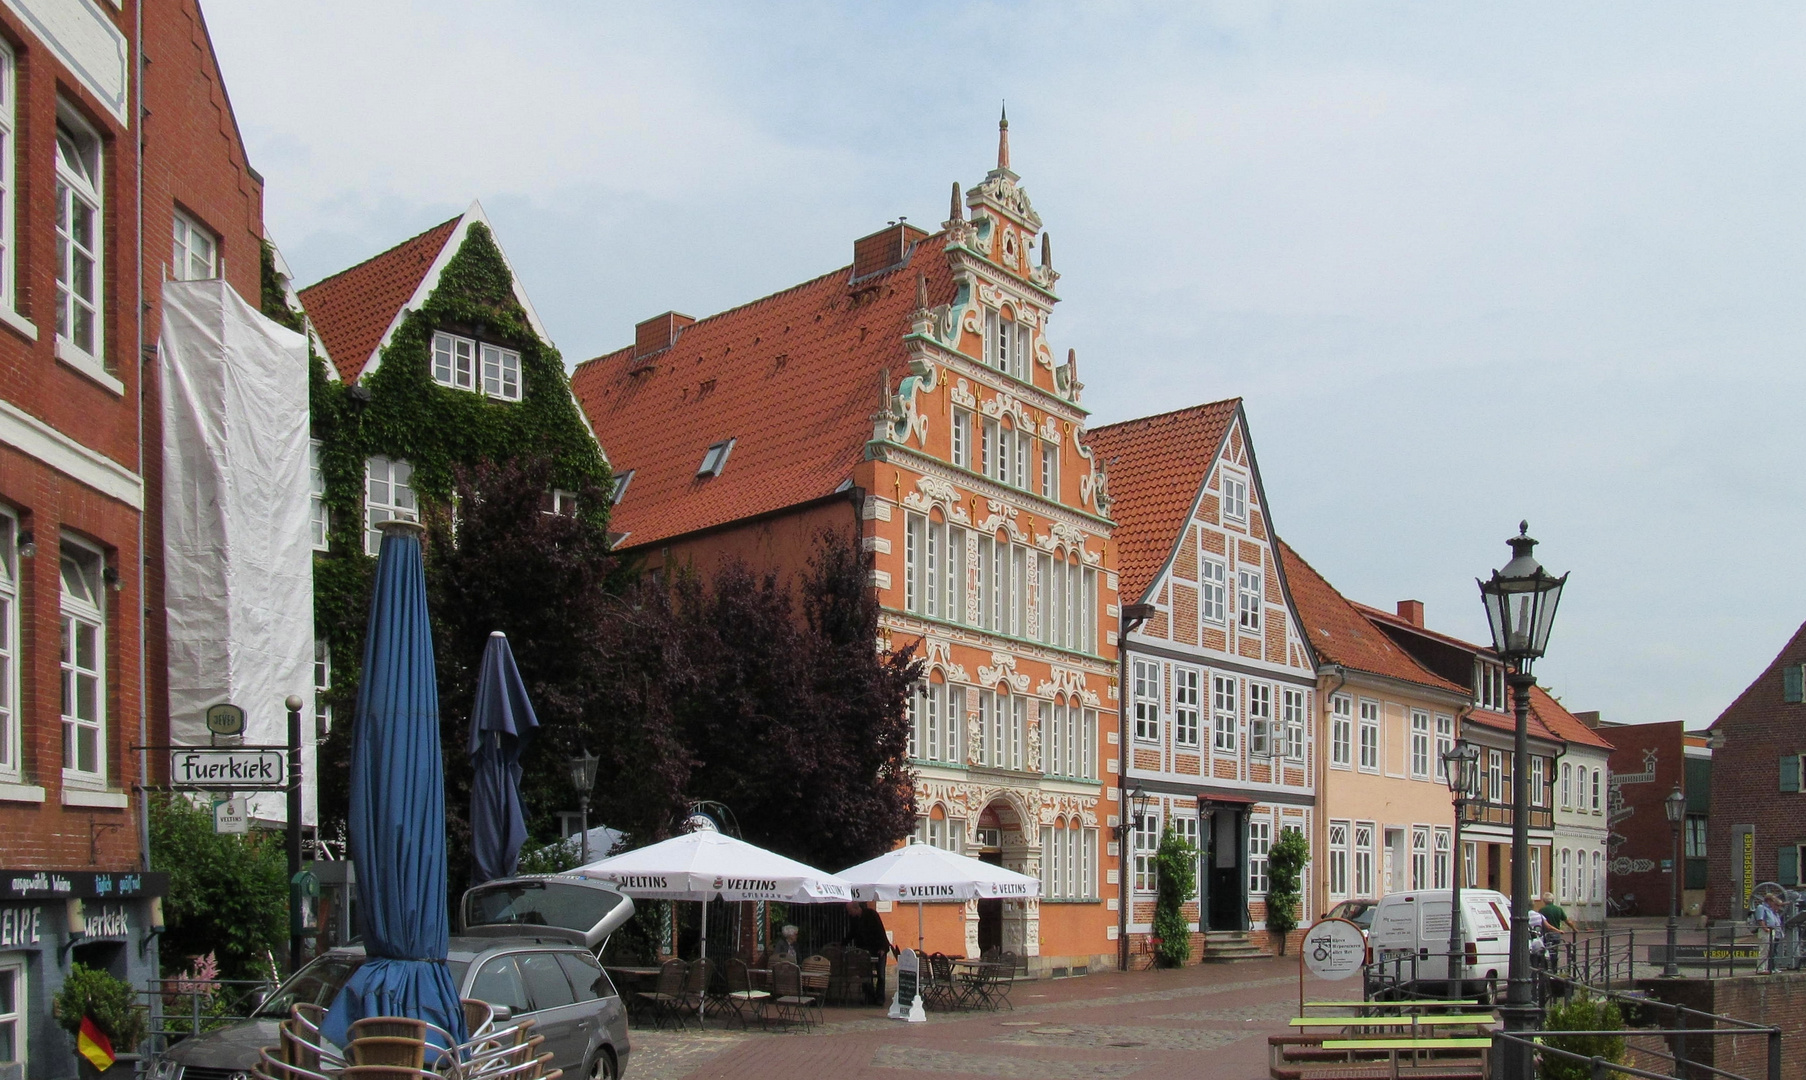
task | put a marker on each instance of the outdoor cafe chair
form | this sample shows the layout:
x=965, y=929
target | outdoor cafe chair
x=667, y=994
x=741, y=996
x=817, y=975
x=274, y=1068
x=478, y=1017
x=939, y=990
x=792, y=1001
x=490, y=1062
x=696, y=989
x=297, y=1049
x=387, y=1050
x=404, y=1027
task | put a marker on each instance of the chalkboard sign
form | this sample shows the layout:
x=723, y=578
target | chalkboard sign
x=907, y=1005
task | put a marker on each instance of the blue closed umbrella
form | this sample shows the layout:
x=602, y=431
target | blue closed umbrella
x=397, y=824
x=501, y=725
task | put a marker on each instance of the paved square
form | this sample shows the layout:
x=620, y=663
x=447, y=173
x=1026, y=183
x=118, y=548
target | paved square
x=1208, y=1021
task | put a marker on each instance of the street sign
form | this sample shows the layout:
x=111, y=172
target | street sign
x=1334, y=949
x=225, y=719
x=232, y=816
x=228, y=769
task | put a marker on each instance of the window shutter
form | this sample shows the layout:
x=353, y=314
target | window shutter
x=1793, y=682
x=1787, y=861
x=1790, y=772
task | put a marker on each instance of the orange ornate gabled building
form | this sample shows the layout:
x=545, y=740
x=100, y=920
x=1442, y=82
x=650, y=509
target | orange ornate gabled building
x=913, y=398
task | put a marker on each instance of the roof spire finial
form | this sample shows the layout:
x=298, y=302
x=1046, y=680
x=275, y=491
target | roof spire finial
x=1003, y=138
x=1047, y=251
x=955, y=211
x=921, y=292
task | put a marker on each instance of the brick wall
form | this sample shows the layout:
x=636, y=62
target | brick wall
x=1771, y=1000
x=1759, y=728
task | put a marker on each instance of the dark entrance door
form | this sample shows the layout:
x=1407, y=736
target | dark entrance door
x=990, y=912
x=1224, y=869
x=1494, y=876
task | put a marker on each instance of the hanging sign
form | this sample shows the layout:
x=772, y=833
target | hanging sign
x=232, y=816
x=225, y=719
x=226, y=769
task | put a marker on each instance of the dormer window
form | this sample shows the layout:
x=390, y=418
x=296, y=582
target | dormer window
x=621, y=482
x=458, y=362
x=1489, y=686
x=716, y=458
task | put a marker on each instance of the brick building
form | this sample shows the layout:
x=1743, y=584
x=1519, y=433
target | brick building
x=1648, y=762
x=1758, y=825
x=913, y=399
x=108, y=185
x=1220, y=682
x=1386, y=818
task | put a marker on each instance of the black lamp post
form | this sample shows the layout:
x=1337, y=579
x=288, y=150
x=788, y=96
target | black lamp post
x=583, y=778
x=1675, y=805
x=1520, y=609
x=1461, y=768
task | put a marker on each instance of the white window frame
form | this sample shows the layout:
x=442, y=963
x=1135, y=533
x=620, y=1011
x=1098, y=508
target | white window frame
x=1495, y=777
x=1420, y=744
x=1187, y=706
x=322, y=685
x=390, y=507
x=1213, y=595
x=501, y=372
x=454, y=361
x=1341, y=732
x=319, y=517
x=1186, y=826
x=1250, y=597
x=1146, y=838
x=1235, y=497
x=12, y=756
x=1260, y=843
x=961, y=436
x=1145, y=693
x=194, y=249
x=1088, y=746
x=1445, y=741
x=1225, y=708
x=1443, y=855
x=18, y=1020
x=9, y=125
x=75, y=611
x=1363, y=885
x=1293, y=705
x=80, y=183
x=1050, y=470
x=1539, y=787
x=1489, y=686
x=1339, y=832
x=1567, y=785
x=1260, y=719
x=1370, y=750
x=1420, y=857
x=622, y=481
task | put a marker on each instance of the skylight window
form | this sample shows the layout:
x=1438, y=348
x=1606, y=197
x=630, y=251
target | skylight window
x=621, y=482
x=716, y=458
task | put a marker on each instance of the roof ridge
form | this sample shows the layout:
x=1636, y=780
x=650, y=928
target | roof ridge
x=391, y=249
x=769, y=297
x=1189, y=409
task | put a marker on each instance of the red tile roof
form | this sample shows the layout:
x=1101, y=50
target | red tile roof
x=351, y=309
x=1562, y=723
x=1392, y=618
x=1156, y=464
x=1501, y=722
x=1340, y=634
x=792, y=378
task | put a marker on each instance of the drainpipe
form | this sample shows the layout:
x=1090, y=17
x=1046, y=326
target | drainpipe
x=1321, y=823
x=137, y=106
x=1130, y=617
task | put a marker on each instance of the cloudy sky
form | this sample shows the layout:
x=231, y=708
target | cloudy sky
x=1466, y=265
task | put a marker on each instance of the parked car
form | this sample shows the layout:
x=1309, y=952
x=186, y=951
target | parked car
x=1359, y=912
x=580, y=910
x=558, y=983
x=1408, y=941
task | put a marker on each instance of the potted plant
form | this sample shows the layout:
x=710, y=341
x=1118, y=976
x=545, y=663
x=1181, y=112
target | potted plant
x=111, y=1008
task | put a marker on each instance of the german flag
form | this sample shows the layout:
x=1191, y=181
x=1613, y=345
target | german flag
x=94, y=1045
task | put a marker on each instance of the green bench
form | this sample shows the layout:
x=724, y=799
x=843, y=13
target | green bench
x=1415, y=1046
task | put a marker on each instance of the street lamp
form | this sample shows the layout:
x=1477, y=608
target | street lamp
x=1675, y=805
x=1520, y=609
x=1461, y=768
x=583, y=778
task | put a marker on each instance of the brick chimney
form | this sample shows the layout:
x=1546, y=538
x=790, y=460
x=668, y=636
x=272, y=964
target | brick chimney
x=885, y=249
x=1411, y=611
x=658, y=332
x=1590, y=717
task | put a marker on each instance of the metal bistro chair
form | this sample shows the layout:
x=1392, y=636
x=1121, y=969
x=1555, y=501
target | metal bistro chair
x=818, y=974
x=741, y=996
x=856, y=976
x=792, y=1001
x=667, y=993
x=695, y=997
x=939, y=991
x=272, y=1068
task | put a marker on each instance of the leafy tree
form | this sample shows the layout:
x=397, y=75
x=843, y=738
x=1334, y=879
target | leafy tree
x=1581, y=1013
x=1176, y=878
x=228, y=895
x=1285, y=865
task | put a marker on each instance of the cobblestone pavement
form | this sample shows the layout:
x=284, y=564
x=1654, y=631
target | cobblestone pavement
x=1196, y=1022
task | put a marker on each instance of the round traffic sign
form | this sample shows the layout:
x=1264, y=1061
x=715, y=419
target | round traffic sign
x=1334, y=949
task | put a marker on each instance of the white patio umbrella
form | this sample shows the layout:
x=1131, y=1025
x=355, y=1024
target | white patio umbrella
x=706, y=864
x=925, y=874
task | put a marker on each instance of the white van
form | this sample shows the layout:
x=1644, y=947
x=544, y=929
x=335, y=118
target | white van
x=1416, y=924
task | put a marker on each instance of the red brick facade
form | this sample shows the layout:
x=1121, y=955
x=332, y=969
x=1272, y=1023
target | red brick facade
x=1761, y=731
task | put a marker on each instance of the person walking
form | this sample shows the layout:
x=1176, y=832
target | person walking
x=1767, y=920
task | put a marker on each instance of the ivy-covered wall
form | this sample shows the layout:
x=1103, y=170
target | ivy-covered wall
x=398, y=411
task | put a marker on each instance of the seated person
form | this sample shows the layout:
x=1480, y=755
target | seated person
x=785, y=947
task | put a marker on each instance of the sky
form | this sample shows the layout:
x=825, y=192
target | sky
x=1465, y=265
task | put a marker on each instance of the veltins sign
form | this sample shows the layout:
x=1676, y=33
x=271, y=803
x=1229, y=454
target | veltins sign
x=1334, y=949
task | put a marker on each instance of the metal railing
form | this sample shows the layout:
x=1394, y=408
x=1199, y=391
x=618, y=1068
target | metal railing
x=182, y=1007
x=1596, y=958
x=1683, y=1026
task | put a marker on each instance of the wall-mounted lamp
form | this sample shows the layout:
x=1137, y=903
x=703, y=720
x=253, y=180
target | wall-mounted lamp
x=110, y=575
x=28, y=543
x=75, y=919
x=156, y=925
